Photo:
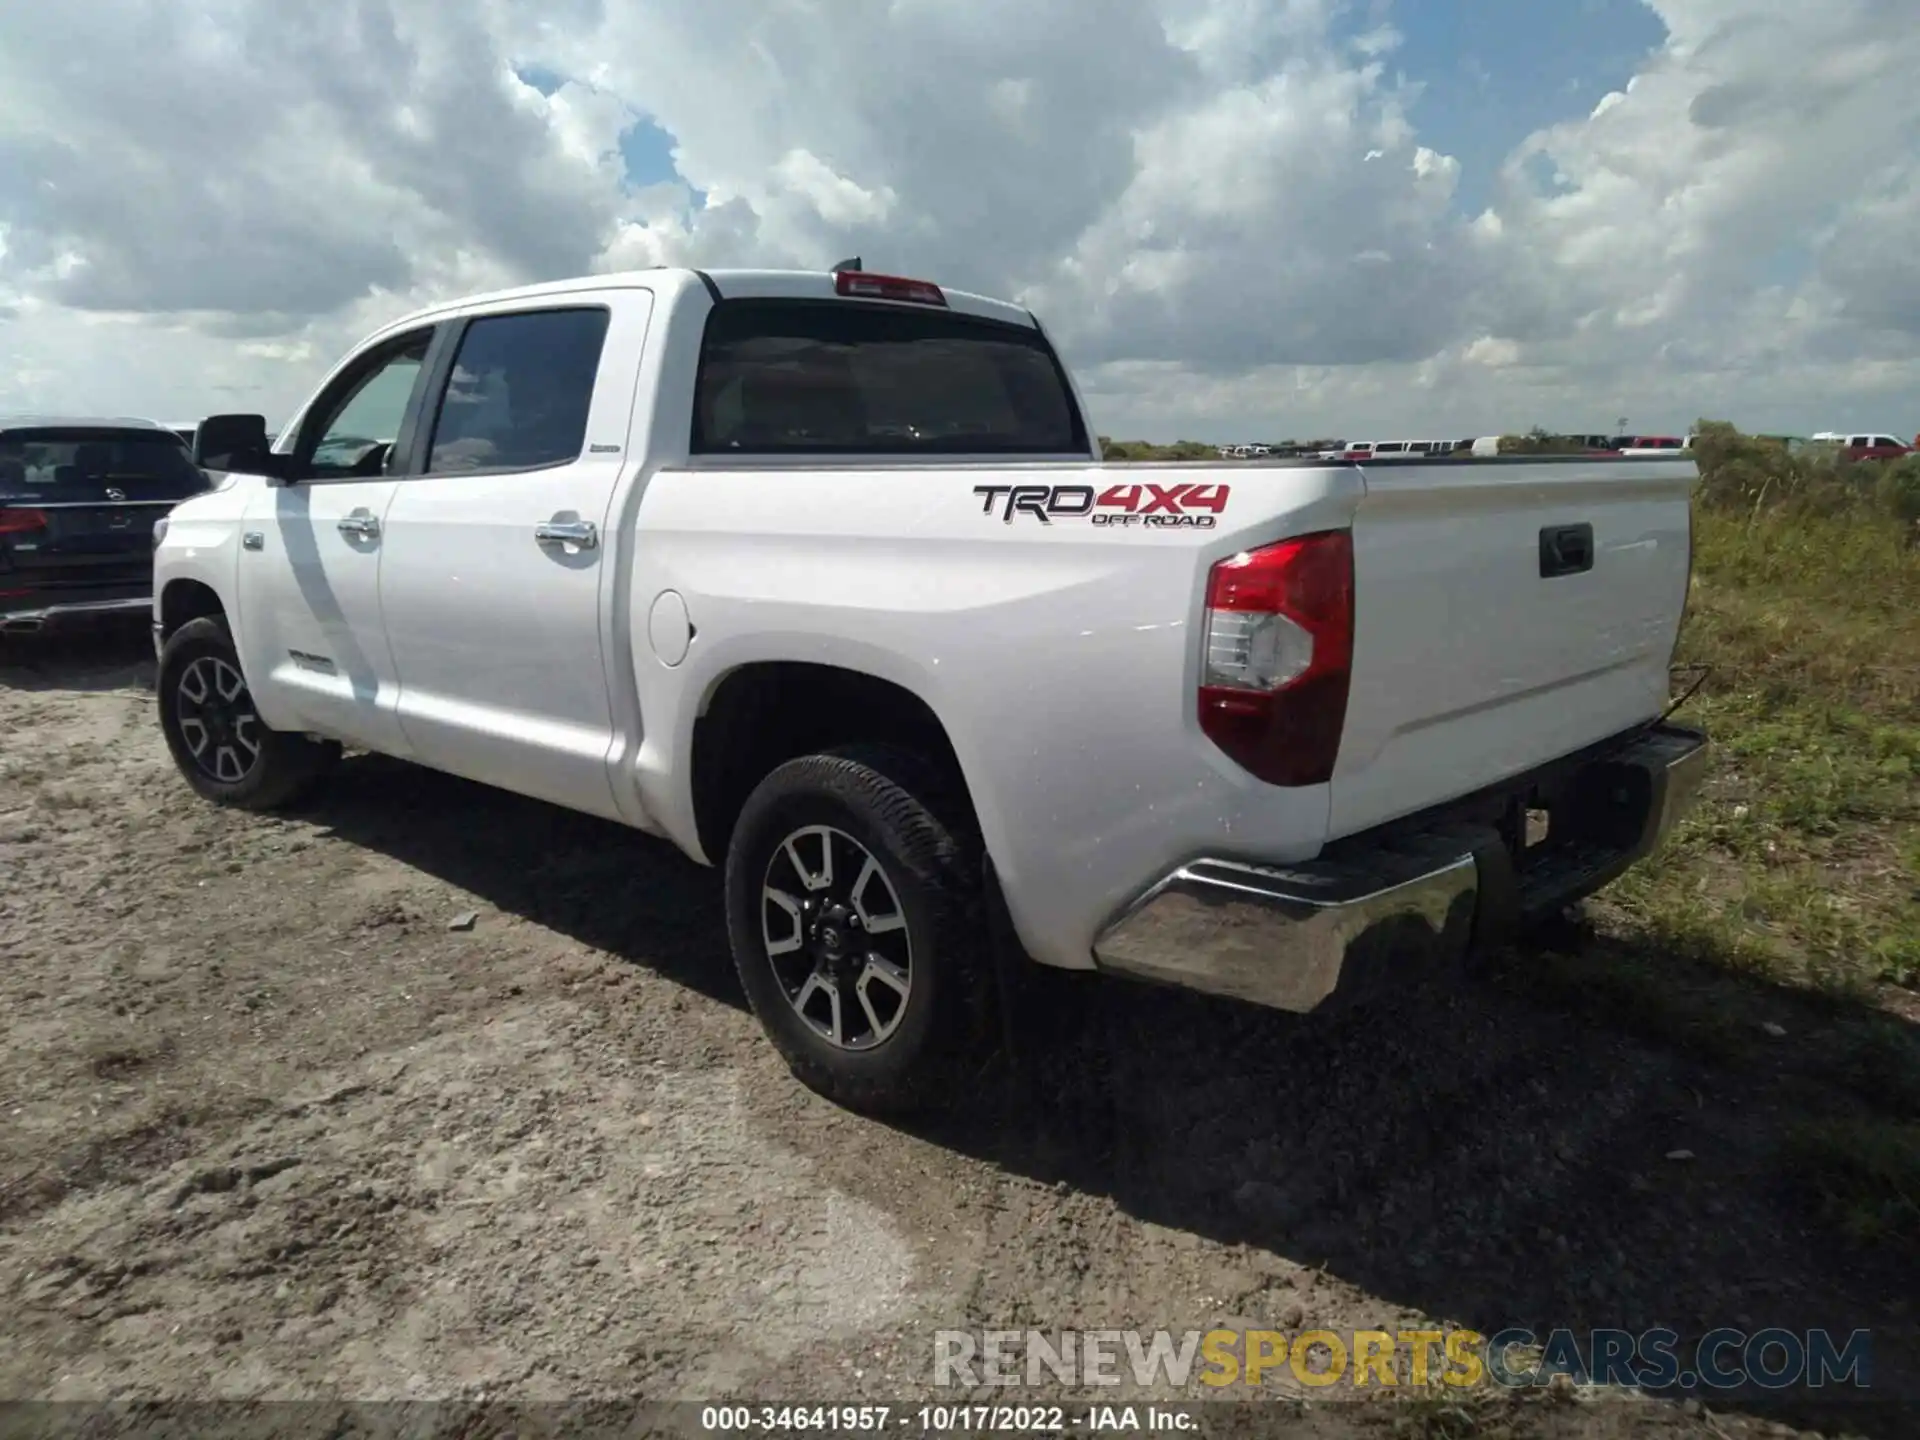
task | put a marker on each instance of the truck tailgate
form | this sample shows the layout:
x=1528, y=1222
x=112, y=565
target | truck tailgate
x=1505, y=614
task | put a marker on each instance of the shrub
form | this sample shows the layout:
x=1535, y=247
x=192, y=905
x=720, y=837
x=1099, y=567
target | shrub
x=1751, y=473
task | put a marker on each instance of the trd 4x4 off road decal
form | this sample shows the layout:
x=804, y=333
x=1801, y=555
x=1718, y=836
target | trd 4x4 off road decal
x=1192, y=507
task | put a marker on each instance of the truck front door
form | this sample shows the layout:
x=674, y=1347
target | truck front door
x=310, y=631
x=497, y=577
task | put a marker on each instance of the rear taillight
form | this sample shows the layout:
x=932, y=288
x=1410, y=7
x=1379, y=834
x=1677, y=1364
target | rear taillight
x=860, y=285
x=1279, y=657
x=21, y=522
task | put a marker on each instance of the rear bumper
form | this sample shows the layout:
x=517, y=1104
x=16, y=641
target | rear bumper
x=1291, y=937
x=41, y=615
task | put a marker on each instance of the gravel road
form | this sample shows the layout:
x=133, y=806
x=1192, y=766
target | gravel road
x=276, y=1126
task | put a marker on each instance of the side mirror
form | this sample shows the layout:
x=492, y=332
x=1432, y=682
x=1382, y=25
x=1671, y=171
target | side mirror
x=236, y=443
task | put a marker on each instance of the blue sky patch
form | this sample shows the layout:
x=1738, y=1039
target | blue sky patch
x=1494, y=71
x=646, y=148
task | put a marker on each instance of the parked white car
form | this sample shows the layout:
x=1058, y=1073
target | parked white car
x=818, y=577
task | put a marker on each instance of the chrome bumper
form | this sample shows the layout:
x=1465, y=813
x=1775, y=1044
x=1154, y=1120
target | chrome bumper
x=18, y=620
x=1290, y=936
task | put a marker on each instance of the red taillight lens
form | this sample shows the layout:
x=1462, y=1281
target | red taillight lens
x=21, y=522
x=860, y=285
x=1279, y=657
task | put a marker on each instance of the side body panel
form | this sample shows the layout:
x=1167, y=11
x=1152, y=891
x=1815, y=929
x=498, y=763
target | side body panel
x=1060, y=655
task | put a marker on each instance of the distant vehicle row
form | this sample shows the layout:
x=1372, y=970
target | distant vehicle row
x=1858, y=446
x=1485, y=445
x=1854, y=445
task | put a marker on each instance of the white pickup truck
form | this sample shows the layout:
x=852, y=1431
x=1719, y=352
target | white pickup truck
x=820, y=577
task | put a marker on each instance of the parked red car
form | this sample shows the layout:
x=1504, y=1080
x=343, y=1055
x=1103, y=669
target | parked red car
x=1867, y=446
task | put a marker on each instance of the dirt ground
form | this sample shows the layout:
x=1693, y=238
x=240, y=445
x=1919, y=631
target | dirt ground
x=274, y=1128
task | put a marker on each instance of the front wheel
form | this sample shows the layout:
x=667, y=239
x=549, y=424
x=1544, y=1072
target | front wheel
x=854, y=919
x=223, y=748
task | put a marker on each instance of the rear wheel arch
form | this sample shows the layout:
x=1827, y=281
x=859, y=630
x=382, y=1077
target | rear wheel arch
x=761, y=715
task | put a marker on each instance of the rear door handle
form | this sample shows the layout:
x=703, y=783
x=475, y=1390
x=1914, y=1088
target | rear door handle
x=360, y=524
x=1565, y=550
x=583, y=533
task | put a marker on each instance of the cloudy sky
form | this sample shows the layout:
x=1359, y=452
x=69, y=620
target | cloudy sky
x=1258, y=218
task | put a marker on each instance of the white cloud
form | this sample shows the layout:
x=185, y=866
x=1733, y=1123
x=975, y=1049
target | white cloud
x=1222, y=207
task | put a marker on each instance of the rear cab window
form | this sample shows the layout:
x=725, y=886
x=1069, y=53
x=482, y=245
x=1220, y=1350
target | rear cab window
x=520, y=391
x=81, y=465
x=839, y=377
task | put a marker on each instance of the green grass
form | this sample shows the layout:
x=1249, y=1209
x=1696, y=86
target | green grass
x=1803, y=861
x=1867, y=1173
x=1779, y=928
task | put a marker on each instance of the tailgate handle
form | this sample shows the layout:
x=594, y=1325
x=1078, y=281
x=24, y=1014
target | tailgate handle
x=1565, y=550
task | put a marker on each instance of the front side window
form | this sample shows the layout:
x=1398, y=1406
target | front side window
x=81, y=464
x=520, y=391
x=787, y=377
x=361, y=426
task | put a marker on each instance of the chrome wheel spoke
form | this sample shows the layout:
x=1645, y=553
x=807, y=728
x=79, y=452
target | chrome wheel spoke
x=885, y=972
x=866, y=1004
x=813, y=879
x=227, y=680
x=790, y=907
x=193, y=684
x=814, y=987
x=874, y=924
x=195, y=734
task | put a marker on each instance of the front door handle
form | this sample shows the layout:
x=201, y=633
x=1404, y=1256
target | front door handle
x=360, y=524
x=583, y=533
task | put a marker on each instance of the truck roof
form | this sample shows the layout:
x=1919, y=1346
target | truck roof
x=723, y=284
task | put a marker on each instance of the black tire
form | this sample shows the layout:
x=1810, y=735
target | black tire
x=902, y=813
x=281, y=769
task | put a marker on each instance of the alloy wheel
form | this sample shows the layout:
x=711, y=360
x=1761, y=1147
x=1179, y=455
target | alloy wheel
x=217, y=720
x=836, y=936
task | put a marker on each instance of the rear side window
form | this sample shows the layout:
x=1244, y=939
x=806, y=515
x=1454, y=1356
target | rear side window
x=789, y=377
x=519, y=392
x=77, y=465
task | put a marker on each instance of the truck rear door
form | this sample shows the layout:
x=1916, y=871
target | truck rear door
x=1505, y=614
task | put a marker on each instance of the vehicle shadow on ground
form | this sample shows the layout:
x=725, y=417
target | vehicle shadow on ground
x=1527, y=1145
x=90, y=659
x=602, y=884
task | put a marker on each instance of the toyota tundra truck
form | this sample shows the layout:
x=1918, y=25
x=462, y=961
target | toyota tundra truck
x=820, y=577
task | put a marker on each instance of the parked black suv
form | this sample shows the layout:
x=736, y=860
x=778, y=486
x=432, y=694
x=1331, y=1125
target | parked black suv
x=78, y=499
